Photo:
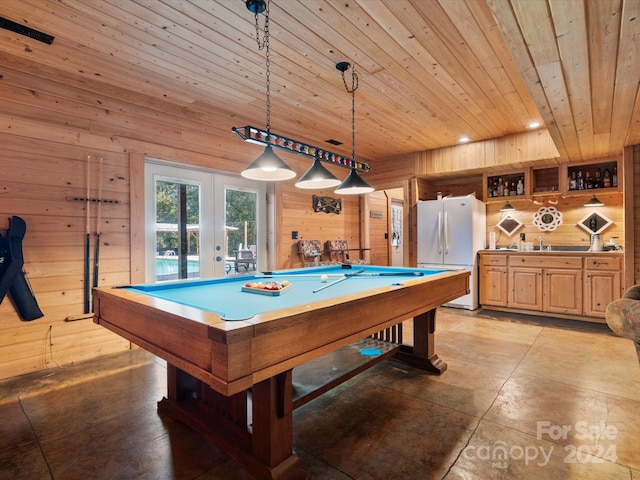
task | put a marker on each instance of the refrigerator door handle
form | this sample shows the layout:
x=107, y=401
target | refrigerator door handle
x=439, y=232
x=446, y=233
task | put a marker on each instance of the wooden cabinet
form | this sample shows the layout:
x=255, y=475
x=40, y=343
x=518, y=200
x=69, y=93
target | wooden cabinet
x=507, y=185
x=603, y=284
x=562, y=291
x=525, y=288
x=493, y=280
x=572, y=285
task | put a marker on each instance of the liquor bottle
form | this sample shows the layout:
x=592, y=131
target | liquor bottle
x=520, y=187
x=573, y=182
x=500, y=187
x=606, y=180
x=505, y=190
x=580, y=181
x=614, y=179
x=513, y=190
x=588, y=184
x=597, y=183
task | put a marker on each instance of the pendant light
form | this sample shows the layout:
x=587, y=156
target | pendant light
x=267, y=166
x=594, y=202
x=353, y=184
x=317, y=177
x=507, y=207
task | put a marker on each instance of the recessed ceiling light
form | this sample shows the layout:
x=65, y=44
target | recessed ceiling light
x=464, y=139
x=534, y=125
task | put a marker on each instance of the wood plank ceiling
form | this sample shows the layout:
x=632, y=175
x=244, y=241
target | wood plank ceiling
x=430, y=71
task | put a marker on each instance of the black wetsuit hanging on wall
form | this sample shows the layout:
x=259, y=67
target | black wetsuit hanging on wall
x=12, y=277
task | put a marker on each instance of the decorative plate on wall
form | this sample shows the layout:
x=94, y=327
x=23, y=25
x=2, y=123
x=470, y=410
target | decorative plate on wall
x=547, y=219
x=509, y=225
x=595, y=223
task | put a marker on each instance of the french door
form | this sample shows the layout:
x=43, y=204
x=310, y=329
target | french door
x=200, y=224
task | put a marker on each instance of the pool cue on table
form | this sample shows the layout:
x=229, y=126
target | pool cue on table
x=96, y=256
x=87, y=250
x=277, y=274
x=391, y=274
x=346, y=275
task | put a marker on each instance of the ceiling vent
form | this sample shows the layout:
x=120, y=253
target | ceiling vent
x=26, y=31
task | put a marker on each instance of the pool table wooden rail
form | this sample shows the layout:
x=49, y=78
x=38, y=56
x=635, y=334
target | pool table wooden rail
x=231, y=356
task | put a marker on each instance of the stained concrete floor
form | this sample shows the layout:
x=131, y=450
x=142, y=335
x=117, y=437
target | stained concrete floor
x=523, y=398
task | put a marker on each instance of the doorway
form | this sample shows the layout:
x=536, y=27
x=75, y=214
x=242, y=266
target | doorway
x=397, y=234
x=200, y=224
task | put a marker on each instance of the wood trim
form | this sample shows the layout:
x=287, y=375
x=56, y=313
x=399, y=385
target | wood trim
x=629, y=159
x=136, y=232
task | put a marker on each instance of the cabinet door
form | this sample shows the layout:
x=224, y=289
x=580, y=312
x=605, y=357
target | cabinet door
x=525, y=288
x=601, y=288
x=562, y=291
x=493, y=286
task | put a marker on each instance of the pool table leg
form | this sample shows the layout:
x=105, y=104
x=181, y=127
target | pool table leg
x=262, y=444
x=423, y=353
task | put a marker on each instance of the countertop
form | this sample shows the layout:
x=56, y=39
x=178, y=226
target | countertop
x=554, y=251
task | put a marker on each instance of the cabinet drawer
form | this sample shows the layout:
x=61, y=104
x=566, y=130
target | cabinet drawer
x=493, y=260
x=602, y=263
x=545, y=261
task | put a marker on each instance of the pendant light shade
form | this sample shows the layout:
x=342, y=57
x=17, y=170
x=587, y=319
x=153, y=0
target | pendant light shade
x=268, y=167
x=507, y=207
x=354, y=185
x=594, y=202
x=317, y=177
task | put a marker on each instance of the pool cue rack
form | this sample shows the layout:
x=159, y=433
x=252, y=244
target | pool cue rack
x=94, y=200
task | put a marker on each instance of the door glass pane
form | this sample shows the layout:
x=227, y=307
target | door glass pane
x=241, y=253
x=177, y=230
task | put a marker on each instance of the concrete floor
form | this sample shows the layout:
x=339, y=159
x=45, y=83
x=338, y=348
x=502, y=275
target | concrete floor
x=523, y=398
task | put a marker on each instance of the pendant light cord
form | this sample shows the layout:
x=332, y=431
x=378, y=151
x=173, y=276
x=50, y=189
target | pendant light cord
x=352, y=91
x=264, y=44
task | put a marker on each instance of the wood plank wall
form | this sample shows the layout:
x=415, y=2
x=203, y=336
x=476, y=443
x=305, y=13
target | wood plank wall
x=295, y=213
x=48, y=126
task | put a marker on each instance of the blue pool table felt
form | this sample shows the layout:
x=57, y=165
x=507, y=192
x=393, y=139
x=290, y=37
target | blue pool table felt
x=224, y=296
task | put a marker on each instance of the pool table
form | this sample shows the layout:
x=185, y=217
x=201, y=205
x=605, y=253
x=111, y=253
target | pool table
x=239, y=362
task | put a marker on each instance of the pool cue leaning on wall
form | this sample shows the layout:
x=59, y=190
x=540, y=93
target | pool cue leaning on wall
x=96, y=256
x=87, y=250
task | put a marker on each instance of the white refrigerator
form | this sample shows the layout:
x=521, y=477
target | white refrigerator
x=450, y=233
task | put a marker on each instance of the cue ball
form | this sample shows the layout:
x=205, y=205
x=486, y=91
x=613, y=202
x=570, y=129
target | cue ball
x=324, y=278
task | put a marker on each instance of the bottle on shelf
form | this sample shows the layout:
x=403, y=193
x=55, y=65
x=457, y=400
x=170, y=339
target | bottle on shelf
x=597, y=182
x=573, y=182
x=520, y=186
x=606, y=179
x=614, y=178
x=500, y=188
x=588, y=184
x=580, y=181
x=513, y=190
